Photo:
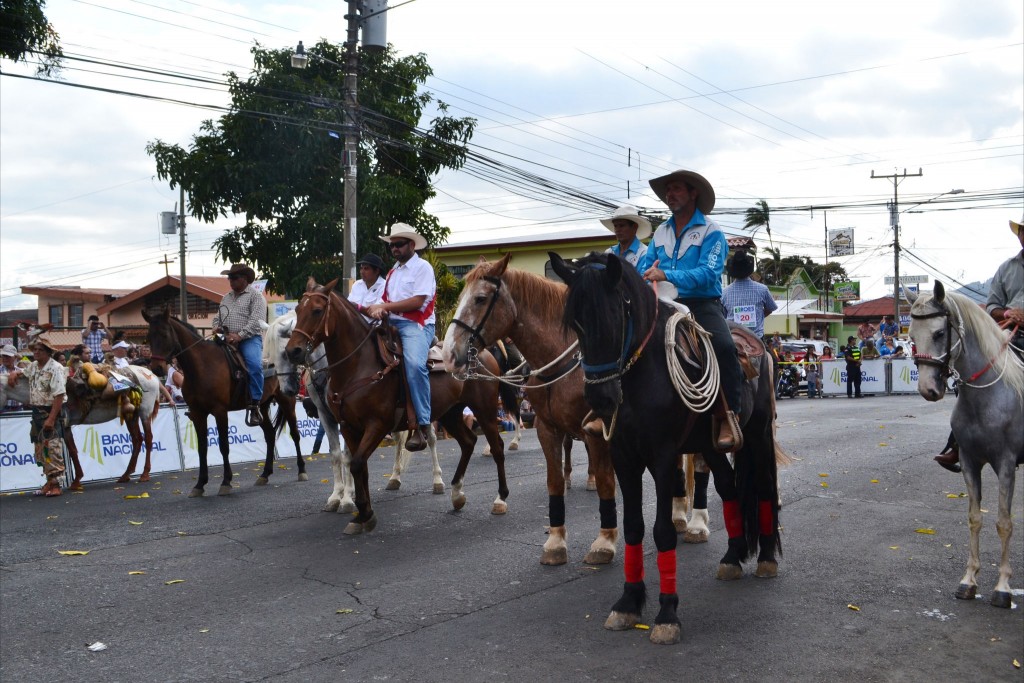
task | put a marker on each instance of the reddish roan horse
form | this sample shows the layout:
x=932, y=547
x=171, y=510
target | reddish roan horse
x=500, y=302
x=367, y=395
x=209, y=390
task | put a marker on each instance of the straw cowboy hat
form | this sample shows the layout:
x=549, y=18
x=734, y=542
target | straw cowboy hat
x=44, y=341
x=405, y=231
x=241, y=269
x=705, y=193
x=373, y=261
x=629, y=213
x=1016, y=227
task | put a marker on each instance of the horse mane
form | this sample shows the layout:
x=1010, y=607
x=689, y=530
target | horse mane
x=272, y=337
x=989, y=336
x=187, y=325
x=590, y=293
x=546, y=297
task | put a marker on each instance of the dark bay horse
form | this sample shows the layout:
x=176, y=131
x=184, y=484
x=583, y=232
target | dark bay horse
x=499, y=302
x=955, y=338
x=367, y=395
x=621, y=326
x=209, y=390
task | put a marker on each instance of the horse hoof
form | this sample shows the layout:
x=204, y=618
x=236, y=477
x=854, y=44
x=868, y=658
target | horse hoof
x=767, y=569
x=620, y=621
x=680, y=525
x=353, y=529
x=459, y=501
x=591, y=484
x=966, y=592
x=124, y=479
x=393, y=484
x=438, y=489
x=500, y=507
x=370, y=524
x=224, y=490
x=513, y=446
x=144, y=478
x=602, y=556
x=346, y=508
x=261, y=481
x=729, y=572
x=331, y=505
x=665, y=634
x=695, y=537
x=195, y=493
x=1000, y=599
x=554, y=557
x=303, y=476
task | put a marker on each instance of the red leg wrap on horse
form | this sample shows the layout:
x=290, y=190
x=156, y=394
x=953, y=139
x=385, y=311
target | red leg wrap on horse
x=667, y=571
x=633, y=563
x=733, y=522
x=766, y=518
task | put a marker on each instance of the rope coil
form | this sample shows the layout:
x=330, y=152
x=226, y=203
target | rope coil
x=700, y=394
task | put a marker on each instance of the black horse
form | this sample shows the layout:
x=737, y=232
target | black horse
x=621, y=326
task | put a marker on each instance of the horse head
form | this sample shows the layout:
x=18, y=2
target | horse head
x=597, y=308
x=163, y=342
x=312, y=320
x=275, y=341
x=485, y=314
x=932, y=331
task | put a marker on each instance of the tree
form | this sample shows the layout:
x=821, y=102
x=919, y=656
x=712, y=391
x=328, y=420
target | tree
x=777, y=270
x=25, y=31
x=758, y=216
x=275, y=159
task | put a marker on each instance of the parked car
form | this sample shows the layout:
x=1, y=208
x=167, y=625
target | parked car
x=798, y=347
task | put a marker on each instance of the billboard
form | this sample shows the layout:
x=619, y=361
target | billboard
x=840, y=242
x=846, y=291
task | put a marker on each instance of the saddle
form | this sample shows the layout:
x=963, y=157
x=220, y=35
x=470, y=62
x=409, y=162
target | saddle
x=389, y=348
x=238, y=372
x=120, y=386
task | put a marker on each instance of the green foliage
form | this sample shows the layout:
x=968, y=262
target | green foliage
x=273, y=161
x=25, y=31
x=759, y=216
x=776, y=270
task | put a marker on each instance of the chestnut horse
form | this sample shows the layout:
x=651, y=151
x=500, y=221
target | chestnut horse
x=367, y=395
x=499, y=302
x=209, y=389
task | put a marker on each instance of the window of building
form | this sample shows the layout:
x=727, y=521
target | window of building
x=57, y=315
x=76, y=313
x=459, y=271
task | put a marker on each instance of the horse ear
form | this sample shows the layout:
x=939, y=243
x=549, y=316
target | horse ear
x=613, y=272
x=311, y=284
x=910, y=294
x=939, y=292
x=561, y=268
x=329, y=287
x=501, y=265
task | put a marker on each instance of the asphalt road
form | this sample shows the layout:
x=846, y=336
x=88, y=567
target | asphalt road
x=262, y=585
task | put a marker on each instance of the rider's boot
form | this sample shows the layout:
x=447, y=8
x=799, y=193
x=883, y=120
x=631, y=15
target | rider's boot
x=418, y=440
x=950, y=459
x=252, y=415
x=728, y=435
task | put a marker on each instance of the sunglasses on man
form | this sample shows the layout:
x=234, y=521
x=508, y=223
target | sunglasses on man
x=400, y=244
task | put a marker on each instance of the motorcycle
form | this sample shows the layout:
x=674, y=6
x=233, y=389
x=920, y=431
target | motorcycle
x=789, y=381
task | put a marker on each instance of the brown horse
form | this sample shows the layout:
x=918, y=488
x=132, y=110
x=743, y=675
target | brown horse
x=209, y=390
x=500, y=302
x=367, y=395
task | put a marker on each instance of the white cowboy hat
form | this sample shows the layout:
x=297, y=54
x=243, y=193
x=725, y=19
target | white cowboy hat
x=9, y=350
x=405, y=231
x=705, y=193
x=1016, y=227
x=121, y=345
x=629, y=213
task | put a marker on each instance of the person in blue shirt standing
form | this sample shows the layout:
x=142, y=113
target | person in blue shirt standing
x=689, y=251
x=746, y=302
x=629, y=228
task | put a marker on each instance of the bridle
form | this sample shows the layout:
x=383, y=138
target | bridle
x=943, y=362
x=475, y=332
x=310, y=338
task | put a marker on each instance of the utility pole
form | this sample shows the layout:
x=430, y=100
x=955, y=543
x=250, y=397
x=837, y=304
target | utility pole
x=894, y=221
x=350, y=158
x=181, y=234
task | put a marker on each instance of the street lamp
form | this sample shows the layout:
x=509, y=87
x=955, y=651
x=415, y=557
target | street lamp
x=374, y=23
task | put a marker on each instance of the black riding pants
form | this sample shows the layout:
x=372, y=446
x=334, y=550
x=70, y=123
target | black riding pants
x=709, y=315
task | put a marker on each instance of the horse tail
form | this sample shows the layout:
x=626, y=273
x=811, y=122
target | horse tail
x=782, y=458
x=509, y=399
x=281, y=419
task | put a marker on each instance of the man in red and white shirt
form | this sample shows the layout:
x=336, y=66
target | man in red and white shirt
x=409, y=295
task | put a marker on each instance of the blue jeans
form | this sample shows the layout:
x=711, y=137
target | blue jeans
x=252, y=351
x=416, y=341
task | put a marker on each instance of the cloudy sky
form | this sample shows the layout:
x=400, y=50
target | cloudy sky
x=797, y=103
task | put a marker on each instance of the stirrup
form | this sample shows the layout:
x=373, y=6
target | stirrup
x=730, y=428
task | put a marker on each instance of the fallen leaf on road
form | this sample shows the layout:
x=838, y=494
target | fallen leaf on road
x=642, y=627
x=883, y=444
x=853, y=607
x=173, y=581
x=874, y=481
x=136, y=573
x=204, y=630
x=822, y=474
x=1016, y=664
x=134, y=497
x=343, y=611
x=51, y=517
x=894, y=547
x=948, y=545
x=97, y=647
x=325, y=481
x=930, y=532
x=134, y=523
x=824, y=484
x=73, y=552
x=181, y=533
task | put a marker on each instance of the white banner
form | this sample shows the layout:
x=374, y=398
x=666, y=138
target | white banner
x=904, y=376
x=105, y=449
x=872, y=381
x=18, y=469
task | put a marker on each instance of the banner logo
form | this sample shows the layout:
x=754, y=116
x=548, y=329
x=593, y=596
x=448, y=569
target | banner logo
x=836, y=376
x=191, y=440
x=92, y=445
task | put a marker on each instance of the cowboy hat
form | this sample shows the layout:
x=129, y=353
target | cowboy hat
x=121, y=345
x=1016, y=227
x=405, y=231
x=9, y=350
x=240, y=269
x=705, y=193
x=373, y=261
x=629, y=213
x=741, y=264
x=44, y=341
